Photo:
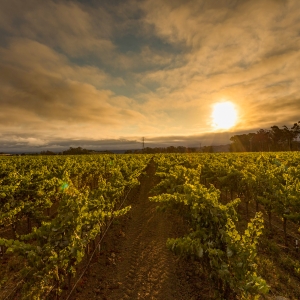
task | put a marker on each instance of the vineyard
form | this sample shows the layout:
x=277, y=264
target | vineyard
x=230, y=221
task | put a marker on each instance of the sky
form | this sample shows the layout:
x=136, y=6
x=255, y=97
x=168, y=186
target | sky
x=104, y=74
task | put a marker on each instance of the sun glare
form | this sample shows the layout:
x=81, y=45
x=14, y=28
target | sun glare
x=224, y=115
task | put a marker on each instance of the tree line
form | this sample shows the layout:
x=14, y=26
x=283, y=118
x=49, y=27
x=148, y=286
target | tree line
x=74, y=151
x=170, y=149
x=275, y=139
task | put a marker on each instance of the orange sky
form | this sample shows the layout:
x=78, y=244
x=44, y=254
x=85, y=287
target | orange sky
x=89, y=73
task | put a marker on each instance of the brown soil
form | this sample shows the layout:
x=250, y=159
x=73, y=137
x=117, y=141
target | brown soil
x=134, y=262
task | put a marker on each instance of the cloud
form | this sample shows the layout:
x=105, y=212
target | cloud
x=102, y=70
x=42, y=90
x=15, y=143
x=64, y=25
x=232, y=50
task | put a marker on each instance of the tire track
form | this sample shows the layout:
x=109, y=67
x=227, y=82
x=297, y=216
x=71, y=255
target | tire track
x=147, y=270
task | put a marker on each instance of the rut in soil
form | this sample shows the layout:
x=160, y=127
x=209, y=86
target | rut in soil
x=143, y=267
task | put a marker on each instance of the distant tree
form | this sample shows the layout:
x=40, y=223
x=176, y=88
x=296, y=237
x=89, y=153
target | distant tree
x=78, y=150
x=208, y=149
x=292, y=134
x=105, y=152
x=276, y=139
x=283, y=138
x=171, y=149
x=47, y=153
x=261, y=141
x=241, y=143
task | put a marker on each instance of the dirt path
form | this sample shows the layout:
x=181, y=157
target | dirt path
x=135, y=263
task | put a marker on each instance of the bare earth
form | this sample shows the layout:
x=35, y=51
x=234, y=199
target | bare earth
x=134, y=262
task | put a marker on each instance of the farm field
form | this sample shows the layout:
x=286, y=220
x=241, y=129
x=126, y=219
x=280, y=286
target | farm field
x=172, y=226
x=149, y=150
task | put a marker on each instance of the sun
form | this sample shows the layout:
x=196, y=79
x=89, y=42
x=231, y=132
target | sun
x=224, y=115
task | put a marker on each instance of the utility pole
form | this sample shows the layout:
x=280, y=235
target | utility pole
x=200, y=147
x=143, y=143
